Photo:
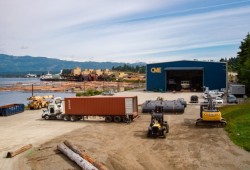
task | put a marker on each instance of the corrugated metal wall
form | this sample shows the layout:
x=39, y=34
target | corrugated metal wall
x=99, y=106
x=214, y=73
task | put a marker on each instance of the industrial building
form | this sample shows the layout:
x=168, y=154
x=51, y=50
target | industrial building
x=186, y=75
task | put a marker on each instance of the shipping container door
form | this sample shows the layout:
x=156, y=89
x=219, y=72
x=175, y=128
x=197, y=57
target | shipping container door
x=129, y=105
x=135, y=108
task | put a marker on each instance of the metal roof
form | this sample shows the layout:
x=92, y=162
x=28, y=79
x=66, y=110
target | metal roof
x=196, y=61
x=184, y=68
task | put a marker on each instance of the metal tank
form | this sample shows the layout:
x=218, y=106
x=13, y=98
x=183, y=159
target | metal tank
x=169, y=106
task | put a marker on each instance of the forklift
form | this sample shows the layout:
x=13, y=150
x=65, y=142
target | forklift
x=158, y=127
x=210, y=115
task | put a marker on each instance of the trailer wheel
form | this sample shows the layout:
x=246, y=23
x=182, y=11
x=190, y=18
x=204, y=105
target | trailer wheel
x=46, y=117
x=73, y=118
x=126, y=120
x=117, y=119
x=108, y=119
x=66, y=118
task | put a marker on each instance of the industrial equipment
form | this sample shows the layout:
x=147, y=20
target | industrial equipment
x=169, y=106
x=238, y=90
x=194, y=99
x=117, y=109
x=11, y=109
x=210, y=115
x=158, y=127
x=185, y=84
x=38, y=102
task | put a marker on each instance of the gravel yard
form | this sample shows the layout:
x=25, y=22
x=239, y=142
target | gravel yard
x=121, y=146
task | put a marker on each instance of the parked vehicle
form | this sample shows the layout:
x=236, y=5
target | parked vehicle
x=158, y=127
x=205, y=101
x=213, y=94
x=238, y=90
x=223, y=90
x=231, y=99
x=108, y=93
x=185, y=84
x=115, y=109
x=38, y=102
x=218, y=100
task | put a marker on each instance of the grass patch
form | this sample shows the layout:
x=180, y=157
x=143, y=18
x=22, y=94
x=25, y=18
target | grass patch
x=238, y=123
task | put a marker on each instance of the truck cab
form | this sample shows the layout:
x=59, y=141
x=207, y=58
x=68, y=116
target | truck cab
x=55, y=108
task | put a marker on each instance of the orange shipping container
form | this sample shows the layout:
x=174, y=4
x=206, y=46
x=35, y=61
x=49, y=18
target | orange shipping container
x=102, y=106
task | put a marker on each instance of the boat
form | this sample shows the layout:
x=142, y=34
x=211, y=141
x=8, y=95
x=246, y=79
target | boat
x=46, y=77
x=185, y=84
x=50, y=77
x=30, y=75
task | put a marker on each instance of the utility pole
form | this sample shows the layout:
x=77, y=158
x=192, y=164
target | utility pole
x=84, y=86
x=32, y=89
x=118, y=86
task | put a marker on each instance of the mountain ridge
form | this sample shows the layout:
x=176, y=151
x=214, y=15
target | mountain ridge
x=25, y=64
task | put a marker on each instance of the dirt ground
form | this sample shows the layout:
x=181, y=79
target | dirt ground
x=123, y=146
x=28, y=128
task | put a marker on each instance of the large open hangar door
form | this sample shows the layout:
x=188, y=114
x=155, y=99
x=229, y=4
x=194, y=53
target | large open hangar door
x=175, y=76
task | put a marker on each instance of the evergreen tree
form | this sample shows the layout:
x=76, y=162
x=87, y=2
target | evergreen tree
x=233, y=64
x=128, y=68
x=244, y=63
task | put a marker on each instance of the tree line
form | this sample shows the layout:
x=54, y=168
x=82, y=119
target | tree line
x=128, y=68
x=241, y=63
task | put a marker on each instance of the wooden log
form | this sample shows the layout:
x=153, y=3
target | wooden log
x=75, y=157
x=85, y=156
x=18, y=151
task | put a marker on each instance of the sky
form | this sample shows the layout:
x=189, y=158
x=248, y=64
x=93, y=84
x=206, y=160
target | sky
x=124, y=31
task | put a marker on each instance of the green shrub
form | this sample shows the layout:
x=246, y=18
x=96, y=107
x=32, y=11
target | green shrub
x=89, y=92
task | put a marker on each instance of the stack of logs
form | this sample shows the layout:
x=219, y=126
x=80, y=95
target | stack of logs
x=81, y=158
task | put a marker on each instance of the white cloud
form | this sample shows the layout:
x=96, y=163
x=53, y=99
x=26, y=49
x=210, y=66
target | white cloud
x=105, y=30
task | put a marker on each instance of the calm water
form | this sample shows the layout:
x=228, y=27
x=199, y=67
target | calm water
x=7, y=81
x=9, y=97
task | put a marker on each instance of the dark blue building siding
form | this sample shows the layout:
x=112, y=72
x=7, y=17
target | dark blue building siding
x=214, y=74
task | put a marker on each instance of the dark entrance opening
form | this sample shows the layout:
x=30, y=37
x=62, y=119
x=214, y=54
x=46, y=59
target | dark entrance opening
x=184, y=79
